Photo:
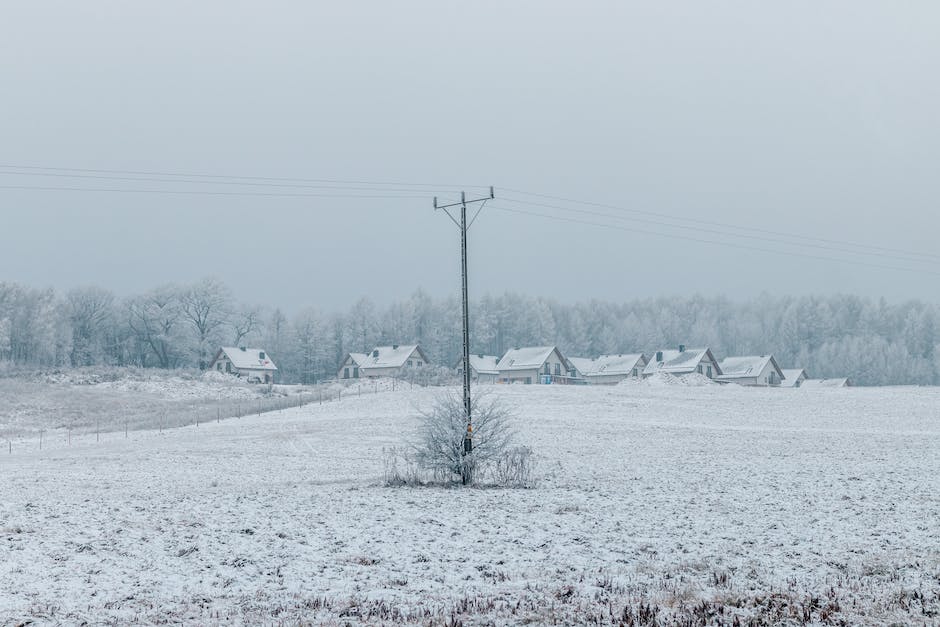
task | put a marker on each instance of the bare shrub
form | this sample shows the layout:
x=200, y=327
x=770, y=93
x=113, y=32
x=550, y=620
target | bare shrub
x=440, y=445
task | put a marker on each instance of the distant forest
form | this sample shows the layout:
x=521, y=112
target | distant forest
x=173, y=326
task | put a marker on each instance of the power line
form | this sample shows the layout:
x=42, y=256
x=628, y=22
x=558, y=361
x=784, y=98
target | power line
x=725, y=232
x=238, y=177
x=190, y=181
x=713, y=242
x=723, y=224
x=197, y=192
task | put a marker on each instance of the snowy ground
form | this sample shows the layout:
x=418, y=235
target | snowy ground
x=671, y=503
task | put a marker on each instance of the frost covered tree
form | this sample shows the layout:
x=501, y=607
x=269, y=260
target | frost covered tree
x=91, y=313
x=206, y=306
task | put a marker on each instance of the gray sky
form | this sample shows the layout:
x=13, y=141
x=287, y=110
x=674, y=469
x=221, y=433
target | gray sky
x=818, y=119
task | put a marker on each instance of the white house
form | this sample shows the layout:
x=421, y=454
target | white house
x=252, y=364
x=683, y=361
x=349, y=368
x=759, y=370
x=579, y=366
x=609, y=369
x=483, y=368
x=382, y=361
x=535, y=364
x=827, y=383
x=793, y=378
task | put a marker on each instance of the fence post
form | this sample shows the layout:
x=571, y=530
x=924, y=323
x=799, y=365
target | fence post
x=321, y=397
x=125, y=428
x=98, y=430
x=40, y=439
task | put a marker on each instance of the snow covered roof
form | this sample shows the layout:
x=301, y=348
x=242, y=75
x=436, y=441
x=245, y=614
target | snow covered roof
x=484, y=364
x=676, y=362
x=826, y=383
x=745, y=367
x=527, y=358
x=359, y=358
x=583, y=365
x=390, y=356
x=791, y=376
x=609, y=365
x=245, y=358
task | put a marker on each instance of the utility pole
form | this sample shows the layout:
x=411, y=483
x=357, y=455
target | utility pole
x=464, y=226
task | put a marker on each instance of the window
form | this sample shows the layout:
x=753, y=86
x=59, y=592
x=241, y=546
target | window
x=355, y=373
x=557, y=370
x=548, y=368
x=528, y=380
x=410, y=363
x=419, y=363
x=709, y=375
x=228, y=367
x=636, y=372
x=700, y=368
x=218, y=366
x=345, y=373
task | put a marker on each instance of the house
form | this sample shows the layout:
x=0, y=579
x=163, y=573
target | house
x=609, y=369
x=252, y=364
x=349, y=368
x=794, y=378
x=761, y=370
x=827, y=383
x=683, y=361
x=382, y=361
x=579, y=366
x=483, y=368
x=535, y=364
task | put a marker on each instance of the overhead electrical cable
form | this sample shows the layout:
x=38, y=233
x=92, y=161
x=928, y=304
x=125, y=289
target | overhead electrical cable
x=620, y=227
x=720, y=224
x=726, y=233
x=240, y=177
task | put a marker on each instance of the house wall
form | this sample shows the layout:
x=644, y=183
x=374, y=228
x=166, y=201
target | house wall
x=519, y=376
x=612, y=379
x=249, y=374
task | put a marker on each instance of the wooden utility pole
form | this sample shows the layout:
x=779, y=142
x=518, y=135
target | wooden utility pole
x=464, y=226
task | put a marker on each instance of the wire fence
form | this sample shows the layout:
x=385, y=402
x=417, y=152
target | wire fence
x=110, y=423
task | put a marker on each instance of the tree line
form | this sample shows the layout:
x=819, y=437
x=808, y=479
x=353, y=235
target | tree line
x=173, y=326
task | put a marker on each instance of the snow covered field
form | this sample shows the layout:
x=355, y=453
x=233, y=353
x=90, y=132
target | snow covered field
x=664, y=502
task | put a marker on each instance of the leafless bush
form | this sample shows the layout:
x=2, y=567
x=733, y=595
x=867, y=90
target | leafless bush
x=440, y=445
x=437, y=454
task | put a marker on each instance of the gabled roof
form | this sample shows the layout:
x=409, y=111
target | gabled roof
x=609, y=365
x=358, y=358
x=390, y=356
x=746, y=367
x=244, y=358
x=482, y=364
x=791, y=377
x=583, y=365
x=529, y=358
x=675, y=362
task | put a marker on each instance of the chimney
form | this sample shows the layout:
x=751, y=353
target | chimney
x=261, y=355
x=242, y=348
x=375, y=353
x=681, y=348
x=394, y=347
x=659, y=355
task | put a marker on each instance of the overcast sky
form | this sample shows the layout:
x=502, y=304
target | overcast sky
x=818, y=119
